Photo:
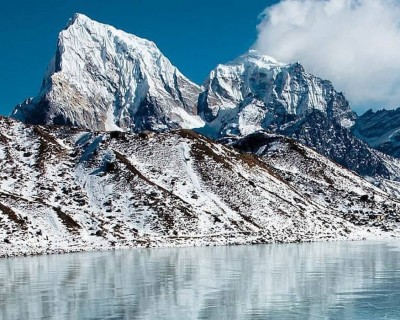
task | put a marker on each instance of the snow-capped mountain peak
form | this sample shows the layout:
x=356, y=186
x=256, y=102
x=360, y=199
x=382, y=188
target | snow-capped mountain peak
x=79, y=18
x=256, y=92
x=269, y=88
x=106, y=79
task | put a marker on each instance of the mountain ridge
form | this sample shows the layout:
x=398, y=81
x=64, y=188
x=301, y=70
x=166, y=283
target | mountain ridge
x=64, y=189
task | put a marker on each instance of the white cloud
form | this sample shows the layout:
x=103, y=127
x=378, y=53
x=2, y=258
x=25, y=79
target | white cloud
x=353, y=43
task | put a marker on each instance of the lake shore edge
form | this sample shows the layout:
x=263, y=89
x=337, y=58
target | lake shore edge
x=233, y=239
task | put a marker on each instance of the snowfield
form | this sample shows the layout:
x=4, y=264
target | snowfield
x=65, y=189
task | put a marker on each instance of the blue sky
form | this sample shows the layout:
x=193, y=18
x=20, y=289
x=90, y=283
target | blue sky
x=194, y=35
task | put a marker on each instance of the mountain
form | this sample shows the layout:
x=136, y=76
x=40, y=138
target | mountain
x=102, y=78
x=103, y=157
x=380, y=129
x=256, y=92
x=65, y=189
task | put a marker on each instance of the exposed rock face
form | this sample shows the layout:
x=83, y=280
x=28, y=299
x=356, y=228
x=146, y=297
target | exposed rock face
x=313, y=175
x=334, y=141
x=381, y=130
x=105, y=79
x=64, y=189
x=256, y=92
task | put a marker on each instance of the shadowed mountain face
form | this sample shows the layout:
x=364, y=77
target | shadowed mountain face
x=381, y=130
x=310, y=173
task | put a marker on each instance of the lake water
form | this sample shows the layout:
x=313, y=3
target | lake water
x=344, y=280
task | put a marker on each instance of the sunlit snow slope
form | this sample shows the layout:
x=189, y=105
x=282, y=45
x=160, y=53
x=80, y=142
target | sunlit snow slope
x=105, y=79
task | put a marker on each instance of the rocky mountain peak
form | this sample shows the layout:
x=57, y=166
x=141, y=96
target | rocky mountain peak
x=257, y=90
x=106, y=79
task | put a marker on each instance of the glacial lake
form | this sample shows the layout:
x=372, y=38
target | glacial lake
x=342, y=280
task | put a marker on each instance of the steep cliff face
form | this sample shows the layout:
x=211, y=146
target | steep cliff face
x=380, y=130
x=102, y=78
x=255, y=91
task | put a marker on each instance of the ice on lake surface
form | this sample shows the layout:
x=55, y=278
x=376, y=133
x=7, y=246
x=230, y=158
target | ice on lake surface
x=343, y=280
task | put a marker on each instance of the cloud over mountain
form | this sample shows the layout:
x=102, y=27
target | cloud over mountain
x=354, y=43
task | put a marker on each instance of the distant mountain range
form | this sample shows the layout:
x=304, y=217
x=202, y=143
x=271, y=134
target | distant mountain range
x=122, y=168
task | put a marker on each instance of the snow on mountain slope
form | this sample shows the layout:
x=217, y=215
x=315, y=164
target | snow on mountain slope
x=256, y=92
x=64, y=189
x=322, y=180
x=380, y=129
x=102, y=78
